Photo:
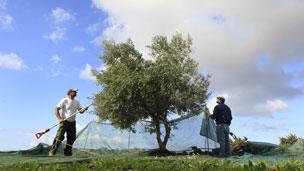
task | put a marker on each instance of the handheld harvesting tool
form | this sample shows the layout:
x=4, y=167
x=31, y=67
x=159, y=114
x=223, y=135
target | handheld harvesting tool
x=40, y=134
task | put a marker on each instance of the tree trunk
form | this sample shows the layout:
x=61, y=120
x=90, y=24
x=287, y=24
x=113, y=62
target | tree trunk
x=167, y=133
x=162, y=143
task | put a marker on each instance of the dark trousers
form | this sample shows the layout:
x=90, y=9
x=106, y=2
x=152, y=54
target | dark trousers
x=222, y=131
x=70, y=129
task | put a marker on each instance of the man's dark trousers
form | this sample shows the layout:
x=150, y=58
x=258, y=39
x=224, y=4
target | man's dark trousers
x=222, y=131
x=70, y=129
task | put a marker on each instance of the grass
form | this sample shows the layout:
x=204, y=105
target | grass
x=133, y=162
x=15, y=159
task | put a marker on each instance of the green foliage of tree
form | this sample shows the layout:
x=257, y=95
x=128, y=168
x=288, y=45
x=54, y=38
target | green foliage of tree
x=135, y=89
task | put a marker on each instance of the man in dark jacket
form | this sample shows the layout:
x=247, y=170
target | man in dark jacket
x=223, y=117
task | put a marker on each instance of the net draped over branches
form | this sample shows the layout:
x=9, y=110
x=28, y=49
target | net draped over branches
x=105, y=136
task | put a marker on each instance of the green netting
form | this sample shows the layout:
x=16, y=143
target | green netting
x=268, y=158
x=272, y=153
x=208, y=127
x=104, y=136
x=99, y=138
x=102, y=140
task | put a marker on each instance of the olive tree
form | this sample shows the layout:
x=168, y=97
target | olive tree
x=134, y=88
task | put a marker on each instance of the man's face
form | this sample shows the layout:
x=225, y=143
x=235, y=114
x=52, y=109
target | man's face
x=73, y=94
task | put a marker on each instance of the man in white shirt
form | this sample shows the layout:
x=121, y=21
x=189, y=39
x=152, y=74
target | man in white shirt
x=69, y=106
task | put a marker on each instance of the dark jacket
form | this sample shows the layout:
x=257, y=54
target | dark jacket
x=222, y=114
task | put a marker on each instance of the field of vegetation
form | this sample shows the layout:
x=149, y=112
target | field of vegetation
x=131, y=162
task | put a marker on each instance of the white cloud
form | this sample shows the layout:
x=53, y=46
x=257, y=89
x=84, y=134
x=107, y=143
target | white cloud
x=97, y=41
x=276, y=105
x=57, y=68
x=11, y=61
x=94, y=29
x=61, y=16
x=78, y=49
x=264, y=127
x=56, y=35
x=229, y=38
x=55, y=59
x=86, y=73
x=6, y=20
x=272, y=106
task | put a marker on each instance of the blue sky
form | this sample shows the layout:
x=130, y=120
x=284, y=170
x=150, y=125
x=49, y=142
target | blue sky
x=48, y=47
x=29, y=93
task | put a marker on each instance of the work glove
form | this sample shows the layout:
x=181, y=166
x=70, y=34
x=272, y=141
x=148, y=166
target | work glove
x=83, y=109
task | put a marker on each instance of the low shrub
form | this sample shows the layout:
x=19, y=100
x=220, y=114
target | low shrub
x=288, y=140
